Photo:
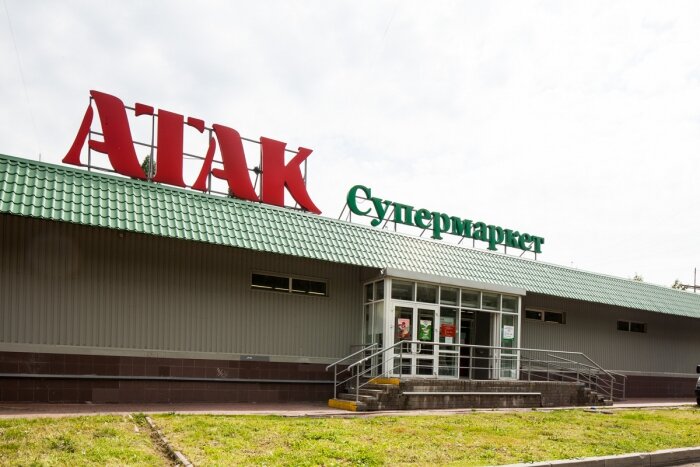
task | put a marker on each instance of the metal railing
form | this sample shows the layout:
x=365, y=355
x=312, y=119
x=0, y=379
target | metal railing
x=475, y=362
x=340, y=367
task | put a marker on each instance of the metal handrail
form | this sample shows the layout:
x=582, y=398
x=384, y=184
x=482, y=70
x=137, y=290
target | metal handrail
x=363, y=349
x=366, y=365
x=335, y=364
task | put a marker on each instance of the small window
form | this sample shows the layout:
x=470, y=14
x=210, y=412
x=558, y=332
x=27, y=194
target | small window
x=491, y=301
x=308, y=287
x=283, y=283
x=427, y=293
x=401, y=290
x=631, y=326
x=471, y=299
x=510, y=304
x=532, y=314
x=449, y=296
x=368, y=292
x=264, y=281
x=558, y=317
x=554, y=317
x=379, y=293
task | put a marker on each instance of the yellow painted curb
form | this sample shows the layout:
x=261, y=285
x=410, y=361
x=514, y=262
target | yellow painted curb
x=393, y=381
x=343, y=405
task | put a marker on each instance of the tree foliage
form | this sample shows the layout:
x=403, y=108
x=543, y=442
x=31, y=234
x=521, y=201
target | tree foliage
x=679, y=285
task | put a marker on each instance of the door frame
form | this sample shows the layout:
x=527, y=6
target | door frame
x=412, y=352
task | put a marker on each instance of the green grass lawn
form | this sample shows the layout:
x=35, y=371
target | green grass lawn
x=482, y=438
x=473, y=439
x=93, y=440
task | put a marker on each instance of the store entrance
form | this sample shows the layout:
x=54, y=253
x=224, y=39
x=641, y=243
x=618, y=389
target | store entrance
x=483, y=357
x=417, y=324
x=466, y=333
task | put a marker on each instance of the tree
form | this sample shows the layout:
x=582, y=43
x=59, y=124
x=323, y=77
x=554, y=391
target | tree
x=149, y=167
x=679, y=285
x=638, y=277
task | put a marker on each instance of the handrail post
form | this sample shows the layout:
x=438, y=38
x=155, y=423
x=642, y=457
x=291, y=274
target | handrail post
x=335, y=382
x=357, y=386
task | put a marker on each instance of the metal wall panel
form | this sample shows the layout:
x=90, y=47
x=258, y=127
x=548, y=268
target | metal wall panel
x=69, y=285
x=670, y=345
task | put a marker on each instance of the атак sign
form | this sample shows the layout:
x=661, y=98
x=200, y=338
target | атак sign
x=118, y=145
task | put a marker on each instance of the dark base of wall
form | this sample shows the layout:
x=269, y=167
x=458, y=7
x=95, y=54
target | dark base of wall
x=660, y=386
x=310, y=380
x=119, y=391
x=80, y=383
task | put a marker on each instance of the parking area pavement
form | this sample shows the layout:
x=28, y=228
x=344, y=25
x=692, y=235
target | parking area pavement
x=300, y=409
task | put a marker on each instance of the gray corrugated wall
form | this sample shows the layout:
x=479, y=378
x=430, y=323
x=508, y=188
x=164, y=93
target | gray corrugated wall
x=670, y=345
x=65, y=284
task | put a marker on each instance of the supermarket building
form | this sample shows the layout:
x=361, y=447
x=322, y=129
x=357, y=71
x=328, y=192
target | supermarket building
x=117, y=290
x=114, y=289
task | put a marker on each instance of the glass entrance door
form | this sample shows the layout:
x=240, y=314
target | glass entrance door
x=416, y=324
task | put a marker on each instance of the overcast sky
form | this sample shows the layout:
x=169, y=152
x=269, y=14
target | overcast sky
x=576, y=121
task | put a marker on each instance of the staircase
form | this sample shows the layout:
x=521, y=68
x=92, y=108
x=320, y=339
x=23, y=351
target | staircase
x=433, y=394
x=547, y=379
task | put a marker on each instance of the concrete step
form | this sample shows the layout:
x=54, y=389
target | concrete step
x=361, y=397
x=470, y=393
x=351, y=406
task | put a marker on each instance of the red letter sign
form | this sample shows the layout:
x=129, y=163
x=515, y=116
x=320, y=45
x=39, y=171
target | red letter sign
x=276, y=175
x=118, y=145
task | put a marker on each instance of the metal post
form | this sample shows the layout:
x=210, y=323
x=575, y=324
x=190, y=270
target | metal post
x=335, y=381
x=357, y=387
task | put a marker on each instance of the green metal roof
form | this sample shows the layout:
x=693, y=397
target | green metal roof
x=35, y=189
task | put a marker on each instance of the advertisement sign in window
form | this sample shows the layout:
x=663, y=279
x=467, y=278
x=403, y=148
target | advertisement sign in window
x=403, y=328
x=508, y=332
x=425, y=330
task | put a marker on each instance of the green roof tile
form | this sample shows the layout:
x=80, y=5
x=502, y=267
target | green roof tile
x=35, y=189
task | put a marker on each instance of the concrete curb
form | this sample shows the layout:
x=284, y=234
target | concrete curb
x=177, y=456
x=666, y=457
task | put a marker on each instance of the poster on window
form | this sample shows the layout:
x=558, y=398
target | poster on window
x=403, y=328
x=425, y=330
x=508, y=332
x=448, y=330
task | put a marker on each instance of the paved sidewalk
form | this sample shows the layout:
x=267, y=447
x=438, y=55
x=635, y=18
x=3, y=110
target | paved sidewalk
x=302, y=409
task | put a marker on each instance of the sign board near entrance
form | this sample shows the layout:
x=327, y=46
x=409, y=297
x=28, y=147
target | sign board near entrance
x=440, y=222
x=119, y=146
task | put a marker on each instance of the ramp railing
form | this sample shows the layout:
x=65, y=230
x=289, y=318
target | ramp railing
x=421, y=359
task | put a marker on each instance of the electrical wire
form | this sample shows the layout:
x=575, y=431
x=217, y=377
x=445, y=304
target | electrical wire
x=21, y=75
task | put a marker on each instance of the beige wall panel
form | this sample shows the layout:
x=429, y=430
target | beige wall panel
x=64, y=284
x=670, y=345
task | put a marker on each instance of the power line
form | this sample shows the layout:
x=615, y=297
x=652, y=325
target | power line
x=21, y=75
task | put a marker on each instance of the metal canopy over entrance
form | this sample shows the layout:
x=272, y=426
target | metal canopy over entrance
x=449, y=331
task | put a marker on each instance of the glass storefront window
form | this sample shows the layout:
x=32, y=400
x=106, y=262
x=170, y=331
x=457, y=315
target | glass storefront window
x=427, y=293
x=378, y=333
x=510, y=304
x=402, y=290
x=379, y=291
x=369, y=296
x=368, y=324
x=509, y=331
x=449, y=296
x=491, y=301
x=448, y=327
x=471, y=299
